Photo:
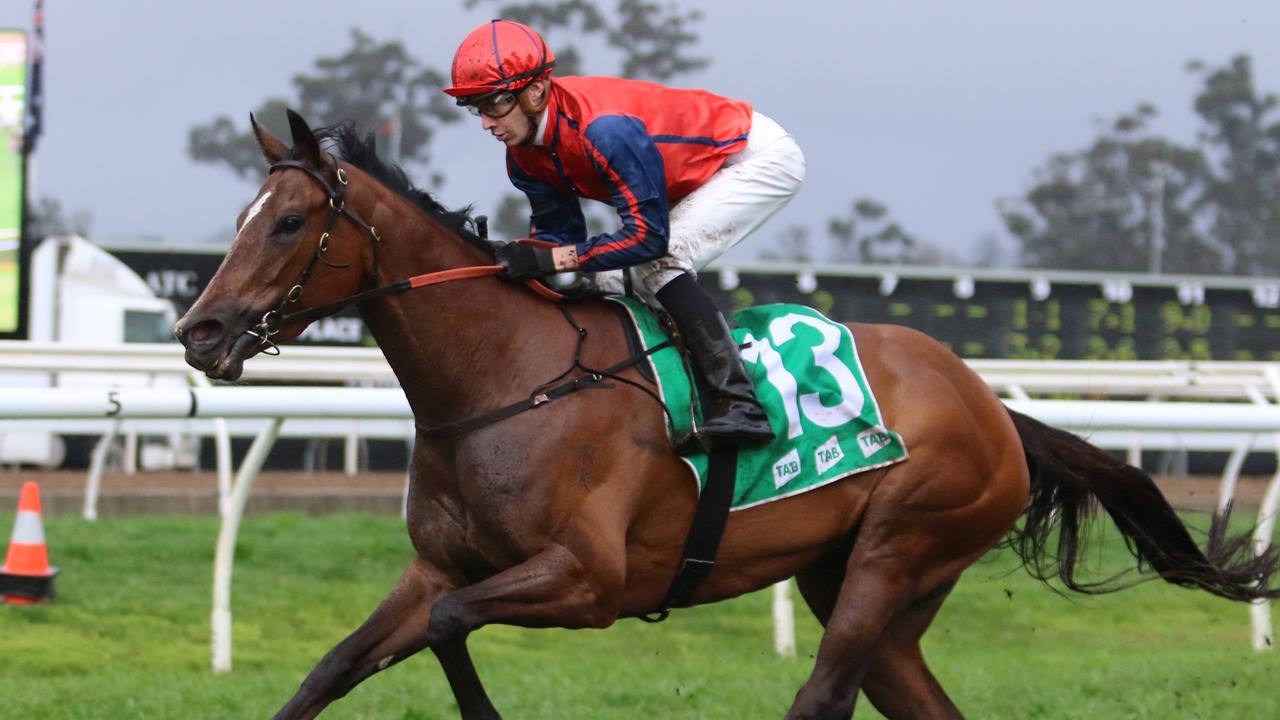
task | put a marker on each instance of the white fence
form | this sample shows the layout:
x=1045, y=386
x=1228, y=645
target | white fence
x=158, y=366
x=142, y=365
x=1251, y=423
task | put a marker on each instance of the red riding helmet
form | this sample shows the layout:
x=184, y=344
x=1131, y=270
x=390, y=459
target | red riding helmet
x=499, y=55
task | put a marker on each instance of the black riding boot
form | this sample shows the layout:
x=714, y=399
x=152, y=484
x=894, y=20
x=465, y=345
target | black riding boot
x=736, y=418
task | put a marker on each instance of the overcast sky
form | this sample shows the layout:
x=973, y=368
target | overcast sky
x=935, y=108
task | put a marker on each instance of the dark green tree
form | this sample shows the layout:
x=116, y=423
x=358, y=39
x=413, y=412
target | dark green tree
x=1129, y=201
x=1242, y=140
x=653, y=40
x=383, y=88
x=1135, y=201
x=377, y=84
x=866, y=234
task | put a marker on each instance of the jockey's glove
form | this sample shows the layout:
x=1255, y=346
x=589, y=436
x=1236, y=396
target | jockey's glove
x=526, y=261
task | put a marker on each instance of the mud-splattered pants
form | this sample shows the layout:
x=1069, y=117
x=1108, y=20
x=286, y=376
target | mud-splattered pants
x=750, y=187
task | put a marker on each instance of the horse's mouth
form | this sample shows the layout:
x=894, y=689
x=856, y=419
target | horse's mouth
x=219, y=360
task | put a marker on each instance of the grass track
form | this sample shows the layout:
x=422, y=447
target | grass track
x=129, y=637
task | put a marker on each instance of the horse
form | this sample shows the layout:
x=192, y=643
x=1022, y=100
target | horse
x=574, y=514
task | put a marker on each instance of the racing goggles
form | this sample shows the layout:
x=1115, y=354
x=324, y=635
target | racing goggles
x=496, y=104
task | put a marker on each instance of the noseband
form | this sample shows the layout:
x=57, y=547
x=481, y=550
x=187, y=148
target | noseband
x=273, y=319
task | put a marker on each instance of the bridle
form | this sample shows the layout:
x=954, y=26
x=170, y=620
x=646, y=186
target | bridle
x=273, y=319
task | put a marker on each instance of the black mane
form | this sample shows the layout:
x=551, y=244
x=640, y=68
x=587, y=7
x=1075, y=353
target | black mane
x=349, y=143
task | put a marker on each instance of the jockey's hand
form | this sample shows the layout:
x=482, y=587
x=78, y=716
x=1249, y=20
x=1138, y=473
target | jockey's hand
x=526, y=261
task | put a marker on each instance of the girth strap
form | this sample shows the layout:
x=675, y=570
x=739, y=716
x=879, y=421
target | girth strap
x=705, y=532
x=711, y=514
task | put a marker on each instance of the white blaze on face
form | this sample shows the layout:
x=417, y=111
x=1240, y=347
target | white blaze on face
x=253, y=211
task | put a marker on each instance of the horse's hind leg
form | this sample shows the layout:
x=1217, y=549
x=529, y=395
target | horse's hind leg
x=868, y=600
x=396, y=630
x=909, y=549
x=820, y=582
x=898, y=682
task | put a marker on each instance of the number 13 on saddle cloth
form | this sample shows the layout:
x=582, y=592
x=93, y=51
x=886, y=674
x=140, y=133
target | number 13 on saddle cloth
x=810, y=381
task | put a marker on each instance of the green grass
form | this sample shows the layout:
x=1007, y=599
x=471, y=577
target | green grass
x=129, y=638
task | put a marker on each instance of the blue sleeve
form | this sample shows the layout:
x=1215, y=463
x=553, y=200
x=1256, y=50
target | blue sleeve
x=554, y=216
x=631, y=166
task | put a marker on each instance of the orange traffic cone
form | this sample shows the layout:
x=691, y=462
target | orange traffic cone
x=26, y=578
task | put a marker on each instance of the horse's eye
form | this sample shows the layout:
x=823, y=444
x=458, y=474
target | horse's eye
x=288, y=224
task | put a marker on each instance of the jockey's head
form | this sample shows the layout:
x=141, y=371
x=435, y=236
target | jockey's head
x=500, y=66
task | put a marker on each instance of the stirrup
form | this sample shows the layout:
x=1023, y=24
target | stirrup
x=698, y=441
x=693, y=443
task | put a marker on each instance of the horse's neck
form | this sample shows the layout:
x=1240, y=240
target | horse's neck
x=455, y=347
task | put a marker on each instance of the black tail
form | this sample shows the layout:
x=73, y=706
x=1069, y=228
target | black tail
x=1069, y=477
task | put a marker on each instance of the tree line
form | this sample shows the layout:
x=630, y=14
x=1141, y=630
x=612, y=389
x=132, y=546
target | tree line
x=1130, y=200
x=1133, y=200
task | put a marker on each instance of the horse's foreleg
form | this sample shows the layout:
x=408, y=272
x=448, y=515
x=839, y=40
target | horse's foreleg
x=552, y=589
x=395, y=631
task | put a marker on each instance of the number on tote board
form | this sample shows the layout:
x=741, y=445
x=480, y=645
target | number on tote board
x=781, y=331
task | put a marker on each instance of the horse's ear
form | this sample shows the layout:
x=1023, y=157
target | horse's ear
x=305, y=146
x=272, y=148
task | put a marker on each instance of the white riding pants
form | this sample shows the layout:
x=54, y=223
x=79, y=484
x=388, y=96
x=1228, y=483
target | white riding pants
x=751, y=186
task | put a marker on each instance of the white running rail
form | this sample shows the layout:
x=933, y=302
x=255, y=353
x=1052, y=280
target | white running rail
x=1238, y=412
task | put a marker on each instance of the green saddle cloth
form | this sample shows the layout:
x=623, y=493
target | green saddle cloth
x=810, y=381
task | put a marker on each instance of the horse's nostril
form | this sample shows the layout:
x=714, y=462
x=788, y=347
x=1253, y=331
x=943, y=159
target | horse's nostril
x=204, y=331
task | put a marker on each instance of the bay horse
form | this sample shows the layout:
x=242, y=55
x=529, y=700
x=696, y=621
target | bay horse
x=574, y=514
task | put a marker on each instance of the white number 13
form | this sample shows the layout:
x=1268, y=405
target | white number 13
x=851, y=397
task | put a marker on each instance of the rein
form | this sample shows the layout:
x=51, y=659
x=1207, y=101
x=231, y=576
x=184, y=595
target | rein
x=273, y=319
x=413, y=283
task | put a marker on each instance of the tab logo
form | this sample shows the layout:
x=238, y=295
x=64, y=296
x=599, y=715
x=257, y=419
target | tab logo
x=786, y=468
x=828, y=454
x=873, y=440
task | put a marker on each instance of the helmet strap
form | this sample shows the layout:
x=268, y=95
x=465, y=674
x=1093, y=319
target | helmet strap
x=533, y=130
x=532, y=109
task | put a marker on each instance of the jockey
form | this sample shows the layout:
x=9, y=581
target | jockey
x=691, y=174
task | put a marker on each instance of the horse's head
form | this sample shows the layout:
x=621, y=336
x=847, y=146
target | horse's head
x=297, y=246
